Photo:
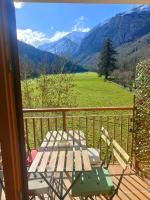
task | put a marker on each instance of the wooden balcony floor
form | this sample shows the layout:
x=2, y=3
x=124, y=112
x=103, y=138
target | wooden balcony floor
x=131, y=188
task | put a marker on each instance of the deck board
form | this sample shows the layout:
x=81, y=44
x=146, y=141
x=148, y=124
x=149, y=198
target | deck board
x=131, y=188
x=130, y=180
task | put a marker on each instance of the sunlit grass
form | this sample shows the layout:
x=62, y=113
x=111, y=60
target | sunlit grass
x=94, y=91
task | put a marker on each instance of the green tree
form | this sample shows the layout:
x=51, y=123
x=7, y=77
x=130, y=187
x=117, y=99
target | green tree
x=107, y=62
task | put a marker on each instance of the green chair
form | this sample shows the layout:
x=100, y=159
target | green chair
x=93, y=183
x=98, y=181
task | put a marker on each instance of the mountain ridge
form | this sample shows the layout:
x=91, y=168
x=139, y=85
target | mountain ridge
x=37, y=59
x=66, y=46
x=120, y=29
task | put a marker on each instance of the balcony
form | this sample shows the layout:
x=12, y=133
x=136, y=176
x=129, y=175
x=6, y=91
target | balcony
x=119, y=123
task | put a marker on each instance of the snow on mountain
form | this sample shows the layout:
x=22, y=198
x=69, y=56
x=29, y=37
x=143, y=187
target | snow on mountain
x=76, y=36
x=141, y=8
x=66, y=46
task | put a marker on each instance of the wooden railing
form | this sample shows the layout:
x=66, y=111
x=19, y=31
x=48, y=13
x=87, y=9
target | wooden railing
x=117, y=120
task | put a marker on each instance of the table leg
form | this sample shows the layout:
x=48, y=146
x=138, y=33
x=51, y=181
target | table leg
x=61, y=197
x=61, y=182
x=68, y=190
x=51, y=187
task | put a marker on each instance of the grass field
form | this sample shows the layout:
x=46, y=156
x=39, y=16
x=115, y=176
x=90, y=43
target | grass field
x=92, y=91
x=95, y=92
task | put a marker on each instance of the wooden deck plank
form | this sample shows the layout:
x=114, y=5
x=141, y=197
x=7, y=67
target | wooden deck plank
x=70, y=137
x=53, y=136
x=58, y=138
x=44, y=162
x=82, y=139
x=140, y=181
x=61, y=161
x=86, y=161
x=35, y=162
x=76, y=139
x=69, y=161
x=134, y=189
x=52, y=141
x=65, y=135
x=125, y=192
x=45, y=141
x=52, y=163
x=78, y=161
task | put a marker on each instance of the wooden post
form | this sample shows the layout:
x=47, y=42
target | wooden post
x=134, y=163
x=64, y=120
x=11, y=118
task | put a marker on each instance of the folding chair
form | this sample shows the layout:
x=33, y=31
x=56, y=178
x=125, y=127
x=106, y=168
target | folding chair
x=99, y=181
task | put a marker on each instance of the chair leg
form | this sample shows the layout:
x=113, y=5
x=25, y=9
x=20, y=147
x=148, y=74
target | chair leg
x=31, y=197
x=41, y=197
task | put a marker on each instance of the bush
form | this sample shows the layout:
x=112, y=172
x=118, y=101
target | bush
x=49, y=91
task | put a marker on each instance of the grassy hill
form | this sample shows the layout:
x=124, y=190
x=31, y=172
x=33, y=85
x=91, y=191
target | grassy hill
x=94, y=91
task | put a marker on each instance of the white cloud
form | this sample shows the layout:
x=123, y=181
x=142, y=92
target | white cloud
x=80, y=25
x=18, y=5
x=58, y=35
x=37, y=38
x=34, y=38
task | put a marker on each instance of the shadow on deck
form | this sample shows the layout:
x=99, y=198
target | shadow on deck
x=131, y=188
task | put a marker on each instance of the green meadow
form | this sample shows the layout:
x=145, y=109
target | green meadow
x=93, y=91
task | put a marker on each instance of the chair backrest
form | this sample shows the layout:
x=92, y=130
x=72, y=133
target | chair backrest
x=105, y=136
x=120, y=154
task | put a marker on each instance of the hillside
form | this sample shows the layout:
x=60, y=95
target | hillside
x=38, y=59
x=123, y=28
x=128, y=54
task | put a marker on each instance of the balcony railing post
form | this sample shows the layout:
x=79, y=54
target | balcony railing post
x=64, y=120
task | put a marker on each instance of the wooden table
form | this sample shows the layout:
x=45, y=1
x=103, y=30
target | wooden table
x=62, y=151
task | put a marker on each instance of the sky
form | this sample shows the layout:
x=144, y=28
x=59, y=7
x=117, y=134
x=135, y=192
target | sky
x=39, y=23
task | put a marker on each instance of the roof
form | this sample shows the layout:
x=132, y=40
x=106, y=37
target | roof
x=91, y=1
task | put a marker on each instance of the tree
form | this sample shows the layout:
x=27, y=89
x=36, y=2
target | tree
x=107, y=61
x=25, y=69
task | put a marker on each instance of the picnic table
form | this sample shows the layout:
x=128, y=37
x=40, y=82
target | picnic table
x=62, y=152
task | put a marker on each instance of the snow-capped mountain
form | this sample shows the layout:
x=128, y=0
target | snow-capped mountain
x=122, y=28
x=76, y=36
x=66, y=46
x=141, y=8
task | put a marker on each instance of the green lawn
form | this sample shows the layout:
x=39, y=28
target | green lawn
x=95, y=92
x=92, y=91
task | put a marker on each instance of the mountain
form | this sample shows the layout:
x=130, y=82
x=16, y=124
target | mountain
x=63, y=47
x=129, y=54
x=76, y=36
x=122, y=28
x=66, y=46
x=37, y=59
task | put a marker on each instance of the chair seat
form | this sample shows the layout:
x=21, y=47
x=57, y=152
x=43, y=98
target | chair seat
x=94, y=156
x=31, y=157
x=38, y=186
x=94, y=182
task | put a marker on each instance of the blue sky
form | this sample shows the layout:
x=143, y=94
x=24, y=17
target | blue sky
x=38, y=23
